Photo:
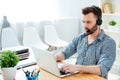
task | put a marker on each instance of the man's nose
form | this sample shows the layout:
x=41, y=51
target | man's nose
x=85, y=25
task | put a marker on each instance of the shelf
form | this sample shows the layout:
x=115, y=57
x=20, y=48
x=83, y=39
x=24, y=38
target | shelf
x=117, y=31
x=111, y=14
x=108, y=17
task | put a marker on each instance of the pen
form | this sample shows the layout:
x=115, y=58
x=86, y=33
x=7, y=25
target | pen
x=36, y=72
x=32, y=73
x=27, y=73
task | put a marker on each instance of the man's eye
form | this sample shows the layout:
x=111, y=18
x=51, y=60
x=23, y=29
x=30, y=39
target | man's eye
x=83, y=21
x=88, y=22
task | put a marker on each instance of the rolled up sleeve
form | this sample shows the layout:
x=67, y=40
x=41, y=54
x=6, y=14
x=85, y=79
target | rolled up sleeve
x=107, y=57
x=72, y=47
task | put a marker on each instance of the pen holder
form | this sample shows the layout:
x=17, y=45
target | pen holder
x=32, y=77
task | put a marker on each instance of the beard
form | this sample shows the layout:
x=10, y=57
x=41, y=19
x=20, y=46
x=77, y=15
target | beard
x=91, y=31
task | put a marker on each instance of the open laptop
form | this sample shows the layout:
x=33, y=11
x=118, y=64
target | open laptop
x=47, y=61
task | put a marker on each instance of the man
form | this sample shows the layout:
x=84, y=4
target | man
x=96, y=51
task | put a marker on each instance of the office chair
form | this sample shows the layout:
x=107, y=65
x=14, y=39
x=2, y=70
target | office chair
x=10, y=41
x=31, y=38
x=9, y=38
x=51, y=37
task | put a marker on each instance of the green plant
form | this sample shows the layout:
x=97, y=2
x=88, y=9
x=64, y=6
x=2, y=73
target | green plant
x=8, y=59
x=112, y=23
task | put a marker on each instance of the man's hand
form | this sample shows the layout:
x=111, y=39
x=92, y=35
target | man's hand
x=95, y=69
x=70, y=68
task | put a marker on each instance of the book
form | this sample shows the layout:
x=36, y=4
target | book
x=107, y=7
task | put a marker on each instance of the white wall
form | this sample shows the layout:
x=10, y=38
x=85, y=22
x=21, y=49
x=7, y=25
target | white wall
x=72, y=8
x=28, y=10
x=62, y=9
x=67, y=28
x=35, y=10
x=115, y=5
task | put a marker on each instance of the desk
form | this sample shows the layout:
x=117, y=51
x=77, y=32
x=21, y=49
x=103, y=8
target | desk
x=44, y=75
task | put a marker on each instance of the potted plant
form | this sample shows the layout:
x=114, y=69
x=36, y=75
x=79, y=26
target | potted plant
x=8, y=61
x=112, y=25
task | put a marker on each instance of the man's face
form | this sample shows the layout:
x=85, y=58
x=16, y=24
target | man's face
x=89, y=21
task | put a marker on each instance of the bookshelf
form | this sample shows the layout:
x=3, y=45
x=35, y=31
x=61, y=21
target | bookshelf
x=111, y=11
x=108, y=17
x=110, y=6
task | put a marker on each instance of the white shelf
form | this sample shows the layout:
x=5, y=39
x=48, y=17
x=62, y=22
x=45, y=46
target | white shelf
x=108, y=17
x=111, y=14
x=117, y=32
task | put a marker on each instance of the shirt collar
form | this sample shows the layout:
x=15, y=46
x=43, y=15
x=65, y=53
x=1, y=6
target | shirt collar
x=101, y=35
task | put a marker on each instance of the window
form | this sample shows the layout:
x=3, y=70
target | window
x=28, y=10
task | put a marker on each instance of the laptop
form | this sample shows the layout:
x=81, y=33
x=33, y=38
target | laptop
x=47, y=61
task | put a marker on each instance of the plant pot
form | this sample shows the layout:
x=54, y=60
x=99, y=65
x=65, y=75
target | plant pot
x=113, y=28
x=9, y=73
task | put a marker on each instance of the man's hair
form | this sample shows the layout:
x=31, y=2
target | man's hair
x=93, y=9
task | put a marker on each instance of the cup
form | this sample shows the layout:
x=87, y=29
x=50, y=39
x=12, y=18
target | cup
x=32, y=77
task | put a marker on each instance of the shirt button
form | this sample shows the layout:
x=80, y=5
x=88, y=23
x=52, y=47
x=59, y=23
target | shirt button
x=85, y=57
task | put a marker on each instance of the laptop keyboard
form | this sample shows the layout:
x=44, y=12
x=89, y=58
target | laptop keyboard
x=63, y=73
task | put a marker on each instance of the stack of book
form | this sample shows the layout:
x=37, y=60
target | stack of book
x=107, y=7
x=23, y=53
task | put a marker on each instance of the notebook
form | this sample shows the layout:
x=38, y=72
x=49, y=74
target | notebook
x=47, y=61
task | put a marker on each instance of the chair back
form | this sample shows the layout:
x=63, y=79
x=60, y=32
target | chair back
x=9, y=38
x=31, y=38
x=50, y=34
